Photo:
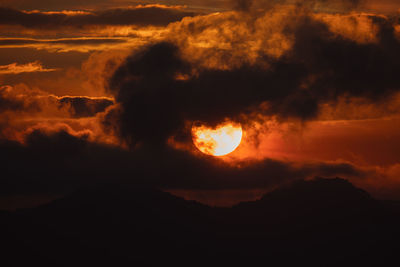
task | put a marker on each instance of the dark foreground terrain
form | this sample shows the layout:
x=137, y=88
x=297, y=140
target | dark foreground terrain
x=324, y=222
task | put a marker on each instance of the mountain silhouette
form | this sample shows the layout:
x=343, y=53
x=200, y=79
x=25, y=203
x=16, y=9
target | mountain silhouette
x=312, y=202
x=321, y=222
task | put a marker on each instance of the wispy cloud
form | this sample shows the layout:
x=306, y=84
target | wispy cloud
x=157, y=15
x=15, y=68
x=82, y=44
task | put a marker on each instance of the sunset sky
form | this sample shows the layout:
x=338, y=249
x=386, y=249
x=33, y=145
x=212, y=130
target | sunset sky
x=98, y=91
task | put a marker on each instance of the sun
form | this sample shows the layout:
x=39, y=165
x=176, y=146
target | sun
x=217, y=141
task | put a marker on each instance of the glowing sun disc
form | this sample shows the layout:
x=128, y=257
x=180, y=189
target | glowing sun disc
x=219, y=141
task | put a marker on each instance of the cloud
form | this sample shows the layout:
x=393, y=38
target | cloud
x=160, y=88
x=14, y=42
x=15, y=68
x=156, y=15
x=331, y=5
x=83, y=106
x=209, y=5
x=11, y=100
x=23, y=109
x=31, y=101
x=65, y=162
x=54, y=5
x=285, y=63
x=81, y=44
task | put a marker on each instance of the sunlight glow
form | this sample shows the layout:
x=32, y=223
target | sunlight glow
x=218, y=141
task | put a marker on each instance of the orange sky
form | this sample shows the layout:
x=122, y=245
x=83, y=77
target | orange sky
x=44, y=61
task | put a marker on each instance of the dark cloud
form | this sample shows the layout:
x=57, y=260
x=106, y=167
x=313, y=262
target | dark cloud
x=155, y=105
x=84, y=106
x=158, y=90
x=15, y=42
x=142, y=16
x=320, y=68
x=243, y=5
x=345, y=67
x=54, y=4
x=12, y=102
x=248, y=5
x=152, y=100
x=31, y=102
x=205, y=4
x=59, y=162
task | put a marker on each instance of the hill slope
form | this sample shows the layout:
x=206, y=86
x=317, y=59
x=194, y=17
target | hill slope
x=323, y=222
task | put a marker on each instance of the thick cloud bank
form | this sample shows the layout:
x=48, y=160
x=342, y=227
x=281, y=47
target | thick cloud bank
x=159, y=88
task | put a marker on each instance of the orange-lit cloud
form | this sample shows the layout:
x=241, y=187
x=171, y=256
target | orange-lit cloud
x=16, y=68
x=82, y=44
x=23, y=109
x=359, y=27
x=138, y=15
x=230, y=39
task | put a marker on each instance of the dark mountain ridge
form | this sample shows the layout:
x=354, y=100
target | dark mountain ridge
x=305, y=222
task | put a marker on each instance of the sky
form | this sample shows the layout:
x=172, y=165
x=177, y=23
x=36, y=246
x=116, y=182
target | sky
x=107, y=91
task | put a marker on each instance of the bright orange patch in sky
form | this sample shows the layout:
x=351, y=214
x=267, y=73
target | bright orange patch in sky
x=218, y=141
